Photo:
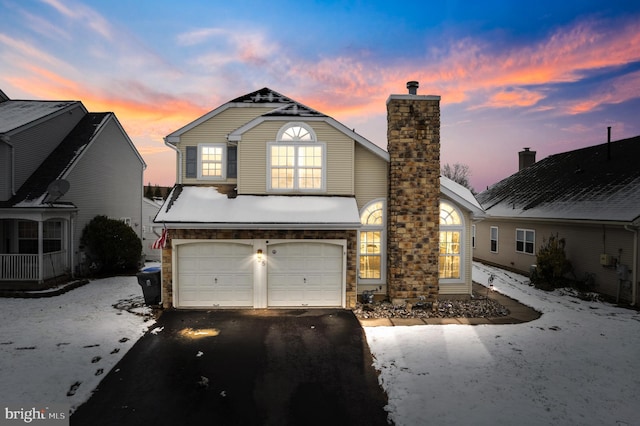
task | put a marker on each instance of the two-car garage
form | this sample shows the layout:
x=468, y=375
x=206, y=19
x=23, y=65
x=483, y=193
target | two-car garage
x=259, y=273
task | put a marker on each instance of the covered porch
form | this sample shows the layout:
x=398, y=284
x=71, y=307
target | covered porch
x=36, y=246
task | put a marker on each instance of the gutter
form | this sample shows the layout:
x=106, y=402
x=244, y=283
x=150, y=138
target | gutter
x=5, y=138
x=634, y=267
x=179, y=166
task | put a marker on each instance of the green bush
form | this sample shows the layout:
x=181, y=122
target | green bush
x=552, y=264
x=111, y=246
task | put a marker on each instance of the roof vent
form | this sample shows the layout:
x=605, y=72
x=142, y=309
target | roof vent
x=413, y=87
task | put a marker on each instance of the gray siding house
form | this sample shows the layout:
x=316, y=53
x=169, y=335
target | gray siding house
x=279, y=205
x=590, y=197
x=60, y=166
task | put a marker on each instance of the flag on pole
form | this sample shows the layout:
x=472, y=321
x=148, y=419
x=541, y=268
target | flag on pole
x=161, y=242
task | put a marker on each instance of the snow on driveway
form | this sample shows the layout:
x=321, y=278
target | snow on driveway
x=576, y=365
x=56, y=350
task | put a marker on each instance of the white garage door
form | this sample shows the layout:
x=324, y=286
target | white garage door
x=215, y=274
x=304, y=274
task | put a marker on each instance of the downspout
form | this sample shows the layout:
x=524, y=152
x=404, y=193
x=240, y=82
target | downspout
x=6, y=139
x=179, y=167
x=634, y=267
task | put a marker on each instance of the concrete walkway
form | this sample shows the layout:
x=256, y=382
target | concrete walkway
x=518, y=313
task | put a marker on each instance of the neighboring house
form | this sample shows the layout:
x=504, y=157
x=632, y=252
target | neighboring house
x=60, y=166
x=279, y=205
x=150, y=231
x=590, y=197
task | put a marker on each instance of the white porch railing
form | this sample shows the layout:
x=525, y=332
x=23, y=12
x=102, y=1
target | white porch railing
x=24, y=267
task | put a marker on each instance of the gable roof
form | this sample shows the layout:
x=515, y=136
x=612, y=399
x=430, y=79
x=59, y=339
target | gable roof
x=461, y=195
x=33, y=191
x=599, y=183
x=283, y=106
x=17, y=115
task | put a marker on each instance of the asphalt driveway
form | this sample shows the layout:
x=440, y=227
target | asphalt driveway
x=243, y=367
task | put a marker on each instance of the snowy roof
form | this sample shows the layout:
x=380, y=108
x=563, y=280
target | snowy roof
x=18, y=113
x=283, y=107
x=600, y=183
x=461, y=195
x=196, y=206
x=33, y=192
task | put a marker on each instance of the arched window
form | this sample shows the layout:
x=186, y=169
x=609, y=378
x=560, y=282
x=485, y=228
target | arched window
x=296, y=160
x=371, y=242
x=451, y=242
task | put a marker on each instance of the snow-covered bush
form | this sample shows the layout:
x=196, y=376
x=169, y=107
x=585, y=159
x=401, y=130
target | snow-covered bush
x=111, y=246
x=552, y=264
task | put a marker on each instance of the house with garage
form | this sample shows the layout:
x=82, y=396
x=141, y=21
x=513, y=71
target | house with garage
x=589, y=197
x=60, y=166
x=279, y=205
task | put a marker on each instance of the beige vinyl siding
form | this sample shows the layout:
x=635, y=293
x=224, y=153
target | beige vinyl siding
x=584, y=245
x=252, y=157
x=215, y=130
x=106, y=180
x=371, y=176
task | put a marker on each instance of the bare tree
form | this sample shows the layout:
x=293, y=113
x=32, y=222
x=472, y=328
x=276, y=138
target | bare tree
x=458, y=173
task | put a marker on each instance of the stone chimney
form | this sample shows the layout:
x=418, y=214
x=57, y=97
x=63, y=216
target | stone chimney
x=526, y=158
x=413, y=135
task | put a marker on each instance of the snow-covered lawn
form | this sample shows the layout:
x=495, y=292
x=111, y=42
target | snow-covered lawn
x=579, y=364
x=56, y=350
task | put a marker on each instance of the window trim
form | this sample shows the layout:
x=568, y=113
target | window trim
x=461, y=229
x=491, y=228
x=473, y=236
x=383, y=244
x=223, y=161
x=524, y=242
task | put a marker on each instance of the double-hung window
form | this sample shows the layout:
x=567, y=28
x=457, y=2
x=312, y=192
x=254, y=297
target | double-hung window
x=493, y=236
x=296, y=160
x=525, y=240
x=212, y=161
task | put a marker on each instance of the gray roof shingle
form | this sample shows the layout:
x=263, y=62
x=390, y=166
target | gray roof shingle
x=600, y=182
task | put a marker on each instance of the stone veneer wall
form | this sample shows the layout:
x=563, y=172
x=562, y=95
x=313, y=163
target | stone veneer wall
x=263, y=234
x=414, y=196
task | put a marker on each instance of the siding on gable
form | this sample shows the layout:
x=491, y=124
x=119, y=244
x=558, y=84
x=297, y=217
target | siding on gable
x=252, y=158
x=371, y=175
x=107, y=180
x=215, y=130
x=33, y=145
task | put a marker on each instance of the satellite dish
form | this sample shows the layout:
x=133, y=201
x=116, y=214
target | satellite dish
x=56, y=189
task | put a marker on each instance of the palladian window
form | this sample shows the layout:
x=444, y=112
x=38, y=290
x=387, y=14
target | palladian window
x=451, y=228
x=371, y=242
x=296, y=160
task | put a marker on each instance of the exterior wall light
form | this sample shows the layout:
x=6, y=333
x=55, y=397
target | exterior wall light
x=259, y=255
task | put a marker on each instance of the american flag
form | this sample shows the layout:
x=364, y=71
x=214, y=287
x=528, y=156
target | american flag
x=162, y=241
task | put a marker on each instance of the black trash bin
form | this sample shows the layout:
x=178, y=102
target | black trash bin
x=149, y=280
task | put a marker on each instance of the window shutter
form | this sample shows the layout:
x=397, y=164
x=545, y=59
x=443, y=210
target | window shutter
x=232, y=162
x=191, y=170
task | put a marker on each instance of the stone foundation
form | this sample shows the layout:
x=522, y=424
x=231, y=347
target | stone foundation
x=265, y=234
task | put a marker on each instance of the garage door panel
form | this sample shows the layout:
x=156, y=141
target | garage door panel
x=305, y=274
x=215, y=274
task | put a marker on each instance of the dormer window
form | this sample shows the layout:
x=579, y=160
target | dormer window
x=296, y=160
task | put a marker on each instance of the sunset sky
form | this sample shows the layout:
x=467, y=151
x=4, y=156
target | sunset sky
x=549, y=75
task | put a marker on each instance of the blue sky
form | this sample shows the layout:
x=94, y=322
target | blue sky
x=548, y=75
